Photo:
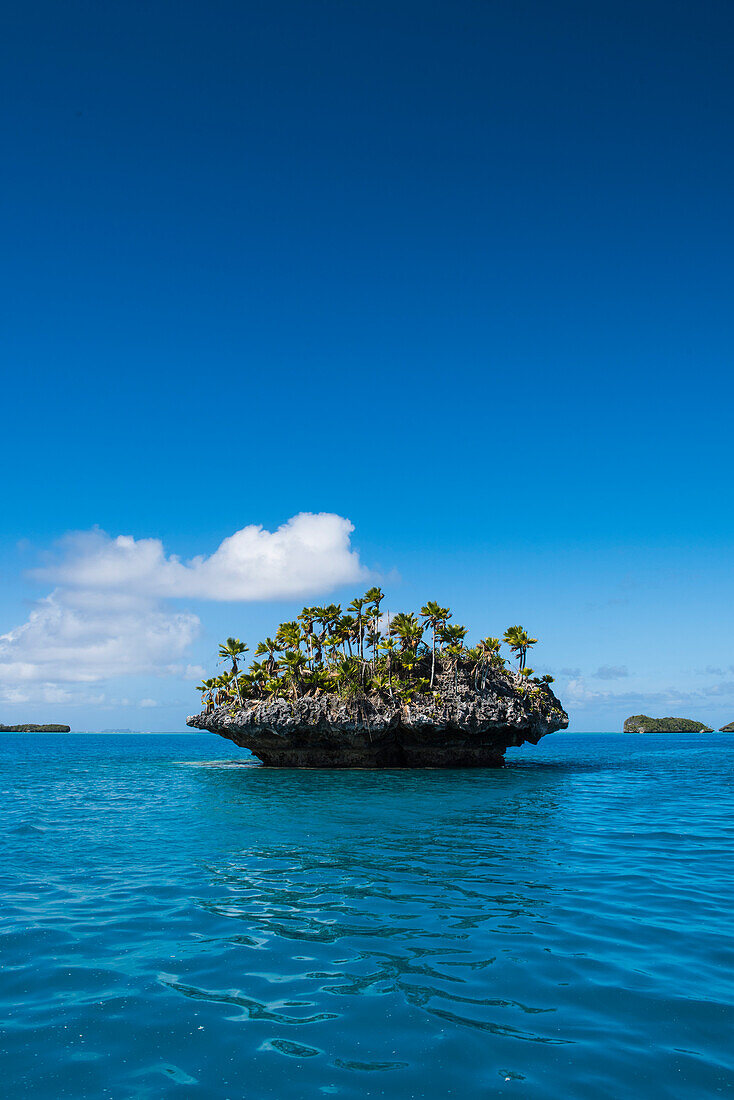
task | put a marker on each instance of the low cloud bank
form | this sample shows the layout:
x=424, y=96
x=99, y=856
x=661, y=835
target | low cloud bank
x=611, y=672
x=74, y=638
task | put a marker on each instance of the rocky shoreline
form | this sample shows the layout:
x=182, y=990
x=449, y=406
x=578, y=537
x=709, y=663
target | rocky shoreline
x=466, y=726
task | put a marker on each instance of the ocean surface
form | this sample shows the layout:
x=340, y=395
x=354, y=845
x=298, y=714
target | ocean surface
x=177, y=921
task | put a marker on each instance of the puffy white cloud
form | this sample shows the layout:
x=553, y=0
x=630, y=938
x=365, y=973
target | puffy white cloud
x=308, y=554
x=107, y=617
x=78, y=637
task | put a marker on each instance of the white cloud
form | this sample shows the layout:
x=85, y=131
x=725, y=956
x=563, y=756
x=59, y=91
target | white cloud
x=49, y=693
x=77, y=637
x=193, y=672
x=308, y=554
x=148, y=703
x=578, y=695
x=107, y=616
x=611, y=672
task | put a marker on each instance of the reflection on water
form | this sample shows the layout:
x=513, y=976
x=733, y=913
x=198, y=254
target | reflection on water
x=177, y=923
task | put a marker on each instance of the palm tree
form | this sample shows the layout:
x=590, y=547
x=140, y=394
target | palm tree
x=388, y=645
x=335, y=643
x=434, y=616
x=232, y=650
x=373, y=639
x=333, y=612
x=513, y=638
x=223, y=684
x=374, y=597
x=271, y=647
x=259, y=672
x=318, y=635
x=447, y=614
x=487, y=650
x=453, y=637
x=245, y=685
x=356, y=606
x=489, y=647
x=519, y=642
x=293, y=664
x=346, y=628
x=408, y=629
x=288, y=636
x=324, y=616
x=207, y=692
x=307, y=617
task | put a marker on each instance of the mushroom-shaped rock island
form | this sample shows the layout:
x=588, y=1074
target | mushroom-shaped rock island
x=465, y=727
x=359, y=691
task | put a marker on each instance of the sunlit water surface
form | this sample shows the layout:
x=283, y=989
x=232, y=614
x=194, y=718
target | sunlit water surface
x=176, y=924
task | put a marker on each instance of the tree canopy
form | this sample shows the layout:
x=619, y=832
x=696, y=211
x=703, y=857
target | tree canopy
x=364, y=651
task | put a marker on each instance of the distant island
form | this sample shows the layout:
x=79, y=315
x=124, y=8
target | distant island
x=35, y=729
x=727, y=729
x=367, y=690
x=642, y=723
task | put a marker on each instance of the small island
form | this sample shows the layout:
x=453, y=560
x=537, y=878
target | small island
x=369, y=690
x=35, y=729
x=642, y=723
x=728, y=728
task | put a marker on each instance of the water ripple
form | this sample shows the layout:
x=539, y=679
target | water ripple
x=174, y=923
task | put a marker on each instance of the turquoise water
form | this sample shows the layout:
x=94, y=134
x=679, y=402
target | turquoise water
x=174, y=925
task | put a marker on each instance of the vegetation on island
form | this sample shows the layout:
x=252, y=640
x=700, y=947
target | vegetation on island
x=363, y=652
x=729, y=728
x=642, y=723
x=35, y=729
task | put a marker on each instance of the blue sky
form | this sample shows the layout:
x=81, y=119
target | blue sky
x=459, y=273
